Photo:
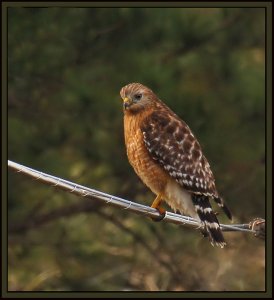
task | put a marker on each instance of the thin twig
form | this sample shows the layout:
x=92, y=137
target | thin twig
x=131, y=206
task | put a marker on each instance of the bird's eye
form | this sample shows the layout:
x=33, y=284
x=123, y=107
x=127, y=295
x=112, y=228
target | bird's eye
x=137, y=97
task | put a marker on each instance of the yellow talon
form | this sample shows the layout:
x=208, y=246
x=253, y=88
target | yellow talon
x=156, y=204
x=157, y=201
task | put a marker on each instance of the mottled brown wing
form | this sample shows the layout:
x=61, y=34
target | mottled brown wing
x=171, y=143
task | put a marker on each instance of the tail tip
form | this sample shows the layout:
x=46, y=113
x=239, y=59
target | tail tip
x=218, y=244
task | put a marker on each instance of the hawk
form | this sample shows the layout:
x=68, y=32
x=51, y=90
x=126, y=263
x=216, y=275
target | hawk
x=168, y=158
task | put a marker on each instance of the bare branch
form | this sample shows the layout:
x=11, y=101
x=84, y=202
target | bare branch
x=131, y=206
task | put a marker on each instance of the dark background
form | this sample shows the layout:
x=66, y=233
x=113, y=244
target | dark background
x=66, y=67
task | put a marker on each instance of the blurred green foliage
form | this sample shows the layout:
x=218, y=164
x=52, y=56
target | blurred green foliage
x=65, y=70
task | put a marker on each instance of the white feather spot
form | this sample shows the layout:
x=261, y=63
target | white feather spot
x=212, y=224
x=208, y=210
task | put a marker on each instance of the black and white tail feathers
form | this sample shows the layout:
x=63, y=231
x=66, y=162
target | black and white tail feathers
x=222, y=204
x=209, y=219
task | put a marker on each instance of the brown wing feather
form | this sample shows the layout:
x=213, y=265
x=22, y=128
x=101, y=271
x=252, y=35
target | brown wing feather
x=171, y=143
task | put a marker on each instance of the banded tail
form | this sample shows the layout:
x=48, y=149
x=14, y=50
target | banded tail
x=222, y=204
x=209, y=219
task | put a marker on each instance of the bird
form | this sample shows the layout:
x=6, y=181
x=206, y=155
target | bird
x=169, y=160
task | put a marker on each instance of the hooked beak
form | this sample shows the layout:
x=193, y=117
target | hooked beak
x=127, y=102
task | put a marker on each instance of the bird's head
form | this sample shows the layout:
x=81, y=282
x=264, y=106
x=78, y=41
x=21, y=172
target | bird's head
x=136, y=97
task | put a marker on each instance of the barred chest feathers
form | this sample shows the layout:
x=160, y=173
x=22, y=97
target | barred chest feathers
x=152, y=174
x=139, y=156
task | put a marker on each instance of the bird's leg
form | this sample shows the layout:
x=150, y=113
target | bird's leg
x=156, y=204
